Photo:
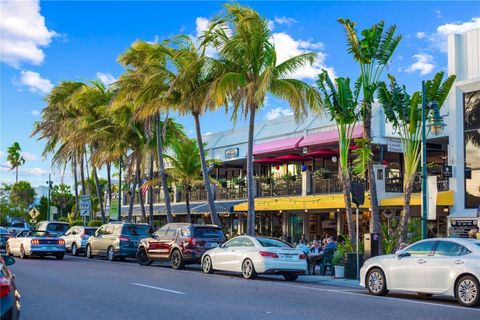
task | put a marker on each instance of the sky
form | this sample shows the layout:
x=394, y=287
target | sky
x=43, y=43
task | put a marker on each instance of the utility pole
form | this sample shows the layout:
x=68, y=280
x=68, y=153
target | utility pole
x=49, y=184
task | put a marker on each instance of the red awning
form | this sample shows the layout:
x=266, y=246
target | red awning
x=351, y=148
x=290, y=158
x=324, y=153
x=267, y=161
x=327, y=137
x=277, y=145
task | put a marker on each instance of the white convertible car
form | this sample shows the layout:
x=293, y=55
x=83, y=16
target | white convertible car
x=444, y=266
x=36, y=243
x=255, y=255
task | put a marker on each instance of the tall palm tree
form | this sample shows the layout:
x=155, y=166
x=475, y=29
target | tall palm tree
x=342, y=106
x=195, y=74
x=405, y=114
x=373, y=51
x=15, y=158
x=249, y=70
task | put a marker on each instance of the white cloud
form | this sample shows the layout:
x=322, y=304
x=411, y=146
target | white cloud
x=23, y=33
x=421, y=35
x=423, y=64
x=287, y=47
x=285, y=20
x=278, y=112
x=36, y=112
x=438, y=14
x=439, y=39
x=106, y=78
x=201, y=25
x=33, y=171
x=35, y=82
x=29, y=156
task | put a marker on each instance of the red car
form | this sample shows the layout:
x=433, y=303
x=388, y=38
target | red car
x=181, y=243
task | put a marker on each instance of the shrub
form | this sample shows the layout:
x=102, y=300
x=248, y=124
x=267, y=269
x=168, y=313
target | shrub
x=95, y=223
x=76, y=223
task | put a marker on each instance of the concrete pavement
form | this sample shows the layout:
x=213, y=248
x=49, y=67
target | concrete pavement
x=79, y=288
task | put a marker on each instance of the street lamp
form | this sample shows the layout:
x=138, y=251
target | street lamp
x=436, y=126
x=49, y=184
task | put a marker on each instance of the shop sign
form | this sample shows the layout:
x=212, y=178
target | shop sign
x=394, y=145
x=231, y=153
x=447, y=171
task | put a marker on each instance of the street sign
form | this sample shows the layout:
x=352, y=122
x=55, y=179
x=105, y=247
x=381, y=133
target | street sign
x=85, y=205
x=34, y=213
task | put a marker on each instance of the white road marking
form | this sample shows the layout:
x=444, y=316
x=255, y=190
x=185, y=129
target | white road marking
x=157, y=288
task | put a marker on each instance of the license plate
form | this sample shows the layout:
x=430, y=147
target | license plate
x=287, y=256
x=213, y=244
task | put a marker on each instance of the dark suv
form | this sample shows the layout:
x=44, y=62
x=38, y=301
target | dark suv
x=181, y=243
x=116, y=240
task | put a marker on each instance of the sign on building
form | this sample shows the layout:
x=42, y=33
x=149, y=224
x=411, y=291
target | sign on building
x=394, y=145
x=231, y=153
x=85, y=205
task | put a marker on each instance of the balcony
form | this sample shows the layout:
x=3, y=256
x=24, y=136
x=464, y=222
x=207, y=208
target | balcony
x=330, y=184
x=277, y=187
x=395, y=184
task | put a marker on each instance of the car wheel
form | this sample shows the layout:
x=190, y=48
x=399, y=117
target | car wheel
x=290, y=276
x=142, y=257
x=207, y=265
x=23, y=255
x=59, y=257
x=376, y=283
x=248, y=270
x=467, y=291
x=110, y=254
x=88, y=252
x=424, y=295
x=177, y=260
x=74, y=249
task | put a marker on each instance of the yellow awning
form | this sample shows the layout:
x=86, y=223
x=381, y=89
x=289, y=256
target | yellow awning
x=444, y=198
x=326, y=201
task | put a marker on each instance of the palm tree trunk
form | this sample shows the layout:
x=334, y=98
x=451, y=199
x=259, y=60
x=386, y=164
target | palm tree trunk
x=99, y=194
x=346, y=184
x=75, y=183
x=405, y=214
x=132, y=196
x=82, y=175
x=161, y=166
x=16, y=174
x=119, y=212
x=372, y=190
x=140, y=193
x=208, y=187
x=187, y=203
x=250, y=181
x=150, y=192
x=109, y=183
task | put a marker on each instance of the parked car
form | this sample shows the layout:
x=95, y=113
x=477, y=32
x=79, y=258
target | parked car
x=56, y=228
x=76, y=238
x=181, y=243
x=14, y=227
x=9, y=295
x=116, y=240
x=36, y=243
x=4, y=236
x=444, y=266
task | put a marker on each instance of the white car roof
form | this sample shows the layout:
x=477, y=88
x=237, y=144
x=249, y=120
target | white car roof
x=472, y=244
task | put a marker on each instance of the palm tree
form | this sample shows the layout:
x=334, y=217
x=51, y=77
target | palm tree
x=372, y=52
x=195, y=75
x=405, y=114
x=249, y=70
x=15, y=158
x=342, y=106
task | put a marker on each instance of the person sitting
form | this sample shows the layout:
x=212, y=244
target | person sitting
x=315, y=249
x=330, y=244
x=302, y=240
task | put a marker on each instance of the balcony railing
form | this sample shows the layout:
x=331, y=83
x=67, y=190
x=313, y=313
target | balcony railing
x=280, y=187
x=231, y=193
x=329, y=184
x=395, y=184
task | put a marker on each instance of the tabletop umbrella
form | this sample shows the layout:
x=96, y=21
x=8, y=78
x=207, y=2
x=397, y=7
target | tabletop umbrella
x=267, y=160
x=290, y=158
x=324, y=153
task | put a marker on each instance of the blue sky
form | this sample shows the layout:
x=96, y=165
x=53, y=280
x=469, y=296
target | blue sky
x=44, y=43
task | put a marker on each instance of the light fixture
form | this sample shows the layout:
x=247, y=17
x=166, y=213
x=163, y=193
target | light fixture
x=436, y=120
x=306, y=210
x=334, y=159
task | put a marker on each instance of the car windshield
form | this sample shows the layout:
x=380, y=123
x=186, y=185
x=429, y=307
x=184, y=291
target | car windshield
x=204, y=232
x=38, y=233
x=137, y=230
x=90, y=232
x=57, y=227
x=17, y=224
x=268, y=242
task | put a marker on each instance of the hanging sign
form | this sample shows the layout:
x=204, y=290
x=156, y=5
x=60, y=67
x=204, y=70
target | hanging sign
x=394, y=145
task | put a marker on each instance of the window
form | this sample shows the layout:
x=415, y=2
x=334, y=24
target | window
x=136, y=230
x=89, y=231
x=204, y=232
x=267, y=242
x=472, y=149
x=171, y=232
x=161, y=232
x=247, y=243
x=100, y=231
x=57, y=227
x=450, y=249
x=235, y=242
x=185, y=232
x=108, y=230
x=421, y=249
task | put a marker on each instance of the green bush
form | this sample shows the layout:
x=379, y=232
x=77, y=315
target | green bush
x=76, y=223
x=63, y=219
x=95, y=223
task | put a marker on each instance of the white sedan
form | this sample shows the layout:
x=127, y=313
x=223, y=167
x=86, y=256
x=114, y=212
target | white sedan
x=444, y=266
x=255, y=255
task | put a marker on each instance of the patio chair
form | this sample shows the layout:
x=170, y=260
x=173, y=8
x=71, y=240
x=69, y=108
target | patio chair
x=327, y=262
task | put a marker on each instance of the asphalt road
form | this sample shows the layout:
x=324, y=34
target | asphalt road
x=78, y=288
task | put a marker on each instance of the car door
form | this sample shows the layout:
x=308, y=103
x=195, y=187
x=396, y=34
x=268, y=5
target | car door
x=226, y=256
x=95, y=240
x=409, y=272
x=442, y=268
x=106, y=240
x=14, y=242
x=160, y=249
x=69, y=236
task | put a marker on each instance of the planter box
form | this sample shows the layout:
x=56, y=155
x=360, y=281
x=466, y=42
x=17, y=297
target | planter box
x=351, y=265
x=339, y=271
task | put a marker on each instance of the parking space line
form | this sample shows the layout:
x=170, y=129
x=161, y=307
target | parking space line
x=157, y=288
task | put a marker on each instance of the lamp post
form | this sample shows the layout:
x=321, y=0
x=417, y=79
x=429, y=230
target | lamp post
x=49, y=183
x=436, y=126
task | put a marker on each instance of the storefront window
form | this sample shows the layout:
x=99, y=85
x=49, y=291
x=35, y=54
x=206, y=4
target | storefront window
x=472, y=149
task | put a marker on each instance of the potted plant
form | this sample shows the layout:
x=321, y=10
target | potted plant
x=322, y=173
x=239, y=181
x=222, y=182
x=288, y=177
x=433, y=168
x=338, y=262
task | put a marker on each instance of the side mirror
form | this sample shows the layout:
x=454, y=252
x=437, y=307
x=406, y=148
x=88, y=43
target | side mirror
x=8, y=260
x=222, y=245
x=402, y=254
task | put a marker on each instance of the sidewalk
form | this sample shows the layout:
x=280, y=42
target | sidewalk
x=324, y=280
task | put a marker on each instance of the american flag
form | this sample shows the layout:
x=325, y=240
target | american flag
x=144, y=187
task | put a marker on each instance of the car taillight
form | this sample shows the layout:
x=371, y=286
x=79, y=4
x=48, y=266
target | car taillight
x=4, y=287
x=123, y=238
x=61, y=241
x=35, y=241
x=268, y=254
x=302, y=257
x=82, y=235
x=192, y=241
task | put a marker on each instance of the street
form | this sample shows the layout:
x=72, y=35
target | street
x=78, y=288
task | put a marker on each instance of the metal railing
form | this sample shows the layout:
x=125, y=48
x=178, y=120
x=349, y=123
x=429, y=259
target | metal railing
x=395, y=184
x=329, y=184
x=280, y=187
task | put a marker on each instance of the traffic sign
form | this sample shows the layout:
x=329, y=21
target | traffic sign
x=34, y=213
x=85, y=204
